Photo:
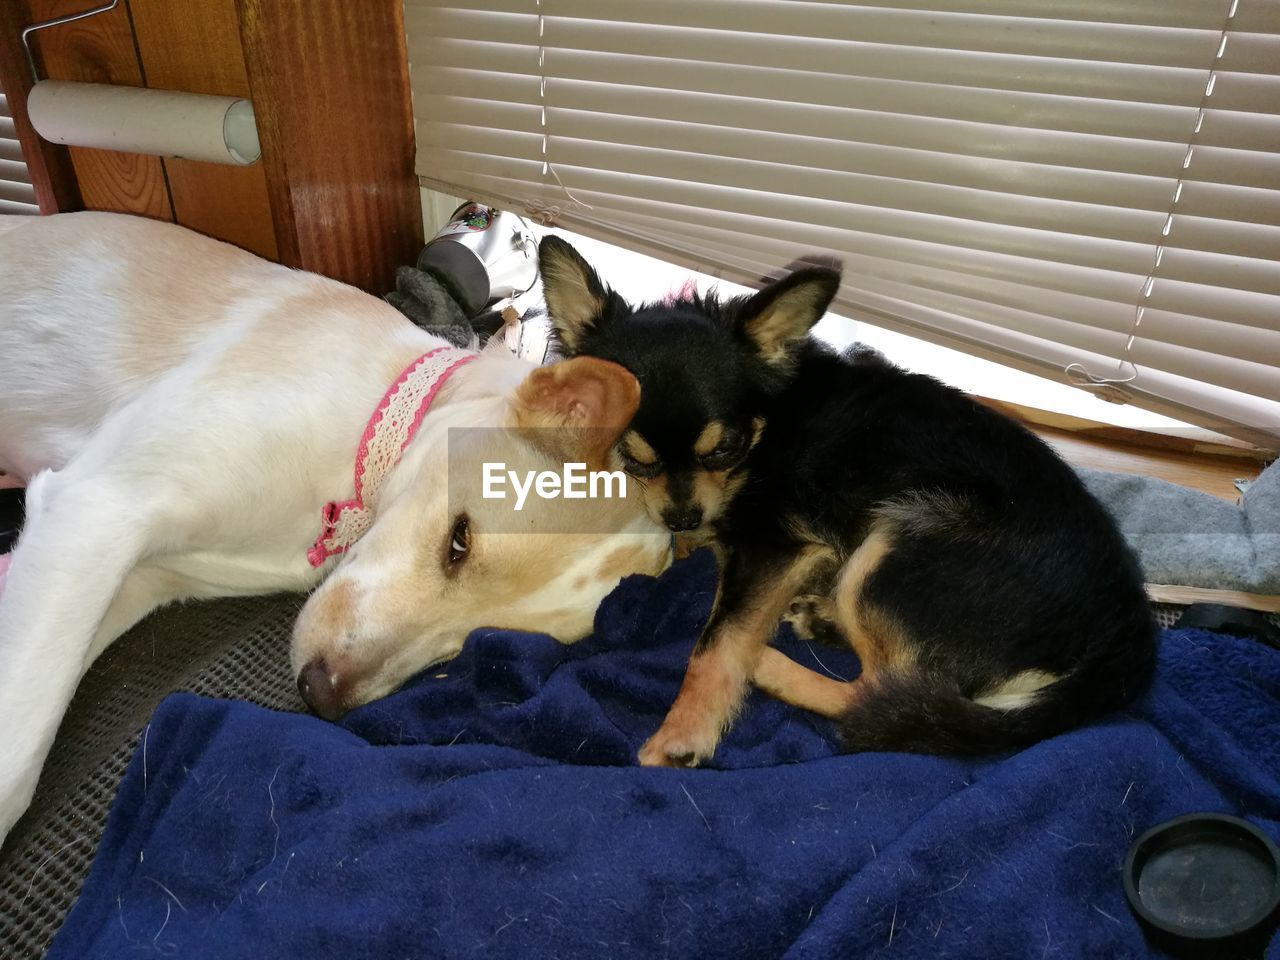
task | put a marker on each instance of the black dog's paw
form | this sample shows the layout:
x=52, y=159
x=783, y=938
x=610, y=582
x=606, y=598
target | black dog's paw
x=812, y=617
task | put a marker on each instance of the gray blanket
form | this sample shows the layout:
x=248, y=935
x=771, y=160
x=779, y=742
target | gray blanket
x=1186, y=537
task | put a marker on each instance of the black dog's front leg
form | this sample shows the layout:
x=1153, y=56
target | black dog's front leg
x=756, y=584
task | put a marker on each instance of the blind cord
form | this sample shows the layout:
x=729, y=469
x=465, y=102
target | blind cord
x=1077, y=373
x=541, y=210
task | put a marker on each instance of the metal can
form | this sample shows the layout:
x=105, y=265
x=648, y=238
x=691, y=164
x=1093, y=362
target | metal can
x=488, y=255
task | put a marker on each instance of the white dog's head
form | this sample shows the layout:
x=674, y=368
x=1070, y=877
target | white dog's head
x=442, y=559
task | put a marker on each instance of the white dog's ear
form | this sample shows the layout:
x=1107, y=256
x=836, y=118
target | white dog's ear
x=782, y=313
x=574, y=294
x=576, y=409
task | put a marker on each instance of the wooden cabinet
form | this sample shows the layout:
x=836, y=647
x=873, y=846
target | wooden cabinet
x=335, y=190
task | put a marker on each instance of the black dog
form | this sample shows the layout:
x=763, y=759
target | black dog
x=990, y=598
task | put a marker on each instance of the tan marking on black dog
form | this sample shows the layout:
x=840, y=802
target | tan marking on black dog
x=1018, y=691
x=638, y=449
x=713, y=490
x=719, y=671
x=876, y=638
x=785, y=318
x=575, y=297
x=781, y=677
x=709, y=438
x=808, y=613
x=932, y=512
x=686, y=543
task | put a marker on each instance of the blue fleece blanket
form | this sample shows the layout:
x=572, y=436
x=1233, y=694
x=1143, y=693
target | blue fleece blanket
x=492, y=809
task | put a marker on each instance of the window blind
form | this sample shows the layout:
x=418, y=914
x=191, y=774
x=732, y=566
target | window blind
x=16, y=193
x=1088, y=190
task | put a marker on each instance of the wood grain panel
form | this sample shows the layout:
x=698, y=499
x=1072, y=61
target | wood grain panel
x=121, y=182
x=1193, y=440
x=330, y=82
x=1184, y=596
x=100, y=49
x=1197, y=459
x=191, y=45
x=196, y=47
x=1209, y=474
x=49, y=164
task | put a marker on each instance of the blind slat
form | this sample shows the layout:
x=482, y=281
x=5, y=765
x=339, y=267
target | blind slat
x=810, y=132
x=627, y=63
x=1141, y=139
x=1022, y=181
x=933, y=262
x=1031, y=127
x=590, y=24
x=693, y=92
x=10, y=206
x=1177, y=342
x=830, y=186
x=15, y=171
x=1043, y=242
x=16, y=193
x=1215, y=406
x=755, y=160
x=1257, y=16
x=1089, y=298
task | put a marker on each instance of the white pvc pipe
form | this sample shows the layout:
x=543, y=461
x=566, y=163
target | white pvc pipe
x=165, y=123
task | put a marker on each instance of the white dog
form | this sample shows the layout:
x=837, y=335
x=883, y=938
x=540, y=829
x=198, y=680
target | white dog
x=188, y=418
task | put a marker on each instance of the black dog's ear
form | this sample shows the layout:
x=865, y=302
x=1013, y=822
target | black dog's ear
x=783, y=312
x=574, y=294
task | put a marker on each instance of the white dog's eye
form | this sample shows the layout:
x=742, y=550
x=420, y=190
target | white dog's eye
x=459, y=540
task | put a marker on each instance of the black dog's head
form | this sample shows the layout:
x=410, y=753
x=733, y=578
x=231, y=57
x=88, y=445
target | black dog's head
x=706, y=368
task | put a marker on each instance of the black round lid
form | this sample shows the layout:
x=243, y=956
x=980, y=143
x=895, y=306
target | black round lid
x=1203, y=877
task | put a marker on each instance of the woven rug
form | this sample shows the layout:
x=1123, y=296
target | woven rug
x=221, y=648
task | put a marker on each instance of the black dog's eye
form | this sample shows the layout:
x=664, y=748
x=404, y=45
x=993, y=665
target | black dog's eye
x=726, y=453
x=634, y=467
x=459, y=541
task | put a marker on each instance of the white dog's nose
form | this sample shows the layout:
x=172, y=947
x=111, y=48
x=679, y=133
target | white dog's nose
x=318, y=690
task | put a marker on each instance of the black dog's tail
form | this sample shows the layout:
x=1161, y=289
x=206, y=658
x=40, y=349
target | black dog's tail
x=912, y=712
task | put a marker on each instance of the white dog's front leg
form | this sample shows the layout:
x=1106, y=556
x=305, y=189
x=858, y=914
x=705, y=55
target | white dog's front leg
x=78, y=545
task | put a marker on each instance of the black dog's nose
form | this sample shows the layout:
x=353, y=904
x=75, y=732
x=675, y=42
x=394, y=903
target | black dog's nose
x=683, y=518
x=318, y=691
